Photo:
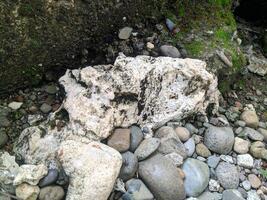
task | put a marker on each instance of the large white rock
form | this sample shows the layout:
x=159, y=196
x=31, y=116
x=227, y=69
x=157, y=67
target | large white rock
x=144, y=90
x=92, y=168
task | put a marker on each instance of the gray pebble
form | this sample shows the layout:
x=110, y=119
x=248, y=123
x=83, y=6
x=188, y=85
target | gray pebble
x=136, y=137
x=45, y=108
x=129, y=166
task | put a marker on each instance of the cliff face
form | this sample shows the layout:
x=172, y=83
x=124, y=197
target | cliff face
x=37, y=35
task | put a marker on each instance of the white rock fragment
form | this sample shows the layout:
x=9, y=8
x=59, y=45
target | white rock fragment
x=15, y=105
x=245, y=160
x=31, y=174
x=214, y=186
x=8, y=168
x=92, y=168
x=144, y=90
x=25, y=191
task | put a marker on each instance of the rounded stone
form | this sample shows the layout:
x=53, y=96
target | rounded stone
x=219, y=139
x=251, y=118
x=3, y=139
x=182, y=133
x=146, y=148
x=202, y=150
x=254, y=181
x=227, y=175
x=136, y=137
x=241, y=146
x=245, y=160
x=51, y=193
x=129, y=166
x=120, y=139
x=252, y=134
x=256, y=149
x=162, y=178
x=169, y=51
x=264, y=133
x=49, y=179
x=45, y=108
x=196, y=176
x=190, y=146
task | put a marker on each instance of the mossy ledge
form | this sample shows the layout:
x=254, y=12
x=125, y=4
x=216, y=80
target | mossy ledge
x=37, y=35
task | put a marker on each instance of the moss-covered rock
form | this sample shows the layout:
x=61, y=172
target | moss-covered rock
x=208, y=26
x=38, y=34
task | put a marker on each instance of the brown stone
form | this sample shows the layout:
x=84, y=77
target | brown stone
x=251, y=118
x=120, y=139
x=254, y=181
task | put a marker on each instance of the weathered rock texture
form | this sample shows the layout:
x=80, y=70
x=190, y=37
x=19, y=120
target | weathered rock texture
x=38, y=34
x=144, y=90
x=93, y=169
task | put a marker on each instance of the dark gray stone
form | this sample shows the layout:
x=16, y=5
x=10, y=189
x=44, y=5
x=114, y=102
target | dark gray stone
x=162, y=178
x=129, y=166
x=50, y=178
x=136, y=137
x=169, y=51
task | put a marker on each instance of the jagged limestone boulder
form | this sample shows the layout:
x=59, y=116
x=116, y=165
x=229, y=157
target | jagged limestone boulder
x=144, y=90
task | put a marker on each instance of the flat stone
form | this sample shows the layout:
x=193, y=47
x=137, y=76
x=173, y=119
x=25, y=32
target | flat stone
x=120, y=140
x=213, y=161
x=196, y=177
x=169, y=51
x=252, y=134
x=30, y=174
x=254, y=181
x=162, y=178
x=146, y=148
x=93, y=164
x=245, y=160
x=15, y=105
x=51, y=193
x=136, y=137
x=129, y=166
x=219, y=139
x=190, y=147
x=232, y=194
x=241, y=146
x=138, y=190
x=125, y=33
x=182, y=133
x=25, y=191
x=202, y=150
x=251, y=118
x=227, y=175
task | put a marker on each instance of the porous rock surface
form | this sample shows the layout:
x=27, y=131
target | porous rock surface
x=144, y=90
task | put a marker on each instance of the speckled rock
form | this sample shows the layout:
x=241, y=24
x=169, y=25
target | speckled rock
x=241, y=146
x=232, y=195
x=146, y=148
x=245, y=160
x=51, y=193
x=252, y=134
x=163, y=99
x=90, y=164
x=164, y=182
x=25, y=191
x=202, y=150
x=251, y=118
x=227, y=175
x=196, y=177
x=219, y=139
x=30, y=174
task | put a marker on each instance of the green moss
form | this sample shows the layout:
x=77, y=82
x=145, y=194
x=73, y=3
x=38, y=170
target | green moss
x=195, y=48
